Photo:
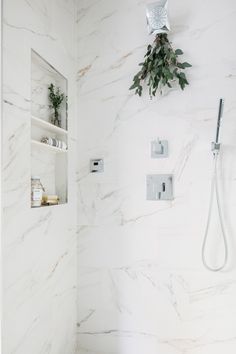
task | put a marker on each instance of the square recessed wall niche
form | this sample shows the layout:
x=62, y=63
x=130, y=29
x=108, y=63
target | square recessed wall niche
x=48, y=162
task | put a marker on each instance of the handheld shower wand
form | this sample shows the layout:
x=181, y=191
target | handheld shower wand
x=215, y=189
x=216, y=145
x=220, y=114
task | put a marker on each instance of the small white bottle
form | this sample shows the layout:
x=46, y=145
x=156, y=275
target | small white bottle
x=36, y=192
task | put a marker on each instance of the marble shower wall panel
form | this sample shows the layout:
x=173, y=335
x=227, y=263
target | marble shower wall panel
x=39, y=257
x=142, y=286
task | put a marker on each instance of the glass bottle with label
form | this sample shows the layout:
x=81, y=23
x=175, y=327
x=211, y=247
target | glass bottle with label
x=36, y=192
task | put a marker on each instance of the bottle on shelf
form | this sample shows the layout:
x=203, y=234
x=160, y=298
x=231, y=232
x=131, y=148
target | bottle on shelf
x=36, y=192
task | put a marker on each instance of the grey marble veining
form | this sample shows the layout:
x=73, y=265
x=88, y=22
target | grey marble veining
x=141, y=284
x=39, y=245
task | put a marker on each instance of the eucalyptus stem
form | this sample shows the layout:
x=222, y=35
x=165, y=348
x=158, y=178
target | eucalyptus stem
x=160, y=68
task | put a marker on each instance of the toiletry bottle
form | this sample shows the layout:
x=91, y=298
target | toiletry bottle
x=36, y=192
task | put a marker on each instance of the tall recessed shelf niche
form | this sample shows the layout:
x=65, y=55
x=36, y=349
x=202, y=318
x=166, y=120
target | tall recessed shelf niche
x=48, y=162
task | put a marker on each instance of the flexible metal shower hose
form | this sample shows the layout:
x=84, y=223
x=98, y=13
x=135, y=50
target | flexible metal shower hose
x=215, y=188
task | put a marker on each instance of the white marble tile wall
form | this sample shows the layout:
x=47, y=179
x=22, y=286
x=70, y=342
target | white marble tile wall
x=39, y=257
x=142, y=285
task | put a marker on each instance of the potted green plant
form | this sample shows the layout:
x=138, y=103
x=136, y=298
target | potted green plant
x=56, y=97
x=161, y=67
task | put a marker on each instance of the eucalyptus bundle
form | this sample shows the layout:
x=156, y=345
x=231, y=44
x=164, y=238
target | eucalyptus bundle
x=56, y=97
x=161, y=67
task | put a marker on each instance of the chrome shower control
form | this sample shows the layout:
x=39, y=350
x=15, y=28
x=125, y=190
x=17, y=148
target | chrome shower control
x=159, y=148
x=96, y=165
x=215, y=147
x=160, y=187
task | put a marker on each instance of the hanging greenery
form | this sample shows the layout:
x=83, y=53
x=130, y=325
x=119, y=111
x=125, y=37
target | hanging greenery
x=160, y=68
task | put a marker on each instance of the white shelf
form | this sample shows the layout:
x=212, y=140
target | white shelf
x=48, y=126
x=47, y=147
x=46, y=206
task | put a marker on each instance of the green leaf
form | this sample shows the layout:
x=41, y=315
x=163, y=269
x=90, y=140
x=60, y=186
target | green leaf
x=181, y=83
x=180, y=65
x=184, y=65
x=135, y=84
x=182, y=75
x=187, y=65
x=178, y=52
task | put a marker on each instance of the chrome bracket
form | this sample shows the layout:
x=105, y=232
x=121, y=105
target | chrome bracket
x=215, y=147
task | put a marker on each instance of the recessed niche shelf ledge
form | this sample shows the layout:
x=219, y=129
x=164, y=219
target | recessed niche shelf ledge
x=47, y=147
x=48, y=206
x=48, y=126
